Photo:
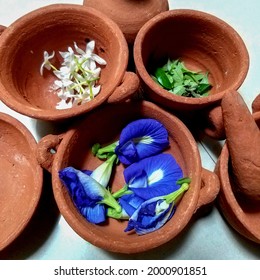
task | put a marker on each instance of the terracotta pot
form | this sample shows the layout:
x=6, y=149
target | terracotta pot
x=74, y=149
x=243, y=215
x=204, y=43
x=2, y=28
x=130, y=15
x=256, y=104
x=56, y=27
x=20, y=179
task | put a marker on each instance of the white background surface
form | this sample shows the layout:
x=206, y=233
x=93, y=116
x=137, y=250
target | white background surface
x=48, y=236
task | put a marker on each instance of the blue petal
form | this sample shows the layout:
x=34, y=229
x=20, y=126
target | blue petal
x=95, y=215
x=84, y=197
x=130, y=203
x=145, y=219
x=140, y=139
x=162, y=173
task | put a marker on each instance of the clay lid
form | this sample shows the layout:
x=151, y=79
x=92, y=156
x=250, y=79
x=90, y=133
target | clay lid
x=20, y=178
x=129, y=15
x=243, y=215
x=105, y=125
x=55, y=28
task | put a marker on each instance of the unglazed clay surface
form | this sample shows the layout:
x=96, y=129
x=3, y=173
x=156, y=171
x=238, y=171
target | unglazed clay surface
x=204, y=43
x=130, y=15
x=105, y=125
x=243, y=215
x=21, y=53
x=243, y=142
x=20, y=179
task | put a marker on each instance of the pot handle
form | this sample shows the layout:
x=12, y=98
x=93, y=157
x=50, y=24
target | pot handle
x=210, y=186
x=129, y=85
x=256, y=104
x=46, y=150
x=214, y=124
x=2, y=28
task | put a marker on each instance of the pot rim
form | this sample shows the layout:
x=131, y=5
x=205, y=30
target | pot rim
x=119, y=245
x=55, y=114
x=195, y=14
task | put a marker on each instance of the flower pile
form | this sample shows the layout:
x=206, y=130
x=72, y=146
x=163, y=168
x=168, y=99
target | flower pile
x=154, y=181
x=77, y=76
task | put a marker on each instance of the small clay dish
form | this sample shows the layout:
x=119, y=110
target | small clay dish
x=55, y=28
x=243, y=215
x=129, y=15
x=105, y=124
x=20, y=178
x=203, y=42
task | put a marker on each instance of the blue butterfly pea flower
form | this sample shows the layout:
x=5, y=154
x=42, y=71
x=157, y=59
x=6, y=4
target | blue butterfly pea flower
x=154, y=176
x=88, y=195
x=153, y=213
x=139, y=139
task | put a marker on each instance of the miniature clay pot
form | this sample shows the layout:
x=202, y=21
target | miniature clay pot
x=55, y=28
x=2, y=28
x=241, y=214
x=20, y=179
x=74, y=149
x=204, y=43
x=130, y=15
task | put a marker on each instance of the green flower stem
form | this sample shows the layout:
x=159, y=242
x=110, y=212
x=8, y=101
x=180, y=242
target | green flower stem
x=174, y=196
x=121, y=192
x=53, y=67
x=117, y=215
x=107, y=149
x=110, y=201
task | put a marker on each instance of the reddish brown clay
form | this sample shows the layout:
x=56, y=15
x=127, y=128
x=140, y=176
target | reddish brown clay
x=2, y=28
x=130, y=15
x=105, y=125
x=203, y=42
x=242, y=215
x=20, y=179
x=243, y=141
x=56, y=27
x=256, y=104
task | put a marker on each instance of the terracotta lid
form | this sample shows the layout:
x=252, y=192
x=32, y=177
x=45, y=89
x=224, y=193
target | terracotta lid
x=20, y=178
x=129, y=15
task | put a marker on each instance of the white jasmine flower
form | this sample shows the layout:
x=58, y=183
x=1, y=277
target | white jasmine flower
x=46, y=62
x=77, y=76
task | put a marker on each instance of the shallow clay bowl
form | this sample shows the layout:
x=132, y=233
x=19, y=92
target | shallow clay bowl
x=55, y=28
x=20, y=178
x=203, y=42
x=104, y=126
x=243, y=215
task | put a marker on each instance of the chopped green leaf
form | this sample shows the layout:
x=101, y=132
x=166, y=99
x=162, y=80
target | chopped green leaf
x=177, y=79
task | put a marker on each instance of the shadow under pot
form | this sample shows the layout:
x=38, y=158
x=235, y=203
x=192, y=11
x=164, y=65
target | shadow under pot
x=21, y=179
x=204, y=43
x=56, y=28
x=74, y=149
x=240, y=212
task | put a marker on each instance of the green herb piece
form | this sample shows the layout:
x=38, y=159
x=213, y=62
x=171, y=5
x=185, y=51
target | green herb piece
x=177, y=79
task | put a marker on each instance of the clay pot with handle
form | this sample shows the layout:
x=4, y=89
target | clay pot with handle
x=204, y=43
x=55, y=28
x=104, y=125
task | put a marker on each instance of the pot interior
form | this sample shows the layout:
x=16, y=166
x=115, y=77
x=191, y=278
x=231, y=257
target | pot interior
x=103, y=126
x=202, y=41
x=55, y=28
